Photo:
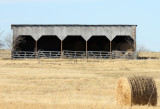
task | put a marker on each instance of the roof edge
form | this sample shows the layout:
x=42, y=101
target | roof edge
x=72, y=25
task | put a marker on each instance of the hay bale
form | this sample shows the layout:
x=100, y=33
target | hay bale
x=130, y=50
x=138, y=90
x=125, y=46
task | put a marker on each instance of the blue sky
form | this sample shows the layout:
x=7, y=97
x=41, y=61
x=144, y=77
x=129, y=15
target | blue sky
x=144, y=13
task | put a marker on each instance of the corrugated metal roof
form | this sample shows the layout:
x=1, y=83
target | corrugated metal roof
x=72, y=25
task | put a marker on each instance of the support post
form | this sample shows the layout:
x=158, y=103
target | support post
x=110, y=48
x=61, y=49
x=36, y=50
x=86, y=49
x=135, y=39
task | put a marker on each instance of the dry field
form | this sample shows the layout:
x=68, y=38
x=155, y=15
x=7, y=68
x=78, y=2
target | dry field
x=150, y=54
x=68, y=84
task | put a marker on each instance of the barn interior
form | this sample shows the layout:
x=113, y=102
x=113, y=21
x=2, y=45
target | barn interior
x=74, y=43
x=24, y=43
x=49, y=43
x=98, y=43
x=123, y=43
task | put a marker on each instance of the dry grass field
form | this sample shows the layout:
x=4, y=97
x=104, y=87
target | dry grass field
x=68, y=84
x=150, y=54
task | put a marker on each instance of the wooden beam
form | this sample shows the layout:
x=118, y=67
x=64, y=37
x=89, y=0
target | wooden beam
x=36, y=50
x=135, y=39
x=36, y=46
x=110, y=48
x=86, y=49
x=61, y=49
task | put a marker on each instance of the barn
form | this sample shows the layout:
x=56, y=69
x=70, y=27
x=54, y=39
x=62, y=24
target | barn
x=73, y=41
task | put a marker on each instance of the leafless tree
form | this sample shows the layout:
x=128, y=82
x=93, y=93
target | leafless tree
x=8, y=41
x=10, y=44
x=1, y=42
x=141, y=48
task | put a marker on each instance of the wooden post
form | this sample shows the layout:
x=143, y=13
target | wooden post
x=110, y=48
x=36, y=49
x=135, y=39
x=86, y=49
x=61, y=49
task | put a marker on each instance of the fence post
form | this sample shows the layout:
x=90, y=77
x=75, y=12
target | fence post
x=50, y=54
x=12, y=55
x=25, y=55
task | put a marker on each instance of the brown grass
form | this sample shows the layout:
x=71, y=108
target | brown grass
x=150, y=54
x=5, y=53
x=68, y=84
x=136, y=90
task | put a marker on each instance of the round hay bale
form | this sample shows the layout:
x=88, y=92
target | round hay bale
x=130, y=50
x=137, y=90
x=125, y=46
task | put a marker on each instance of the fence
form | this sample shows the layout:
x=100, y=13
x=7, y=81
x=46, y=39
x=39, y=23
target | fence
x=24, y=55
x=49, y=54
x=74, y=54
x=7, y=54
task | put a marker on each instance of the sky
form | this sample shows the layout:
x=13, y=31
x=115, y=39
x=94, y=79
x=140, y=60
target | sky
x=144, y=13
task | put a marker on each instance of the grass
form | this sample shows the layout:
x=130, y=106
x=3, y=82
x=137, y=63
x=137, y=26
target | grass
x=61, y=84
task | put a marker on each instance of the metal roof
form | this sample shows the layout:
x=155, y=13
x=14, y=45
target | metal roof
x=73, y=25
x=63, y=30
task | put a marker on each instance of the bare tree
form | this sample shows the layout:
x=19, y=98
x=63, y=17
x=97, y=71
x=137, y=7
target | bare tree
x=1, y=42
x=8, y=41
x=13, y=44
x=141, y=49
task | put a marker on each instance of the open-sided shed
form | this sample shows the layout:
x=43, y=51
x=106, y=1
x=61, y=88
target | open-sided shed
x=74, y=38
